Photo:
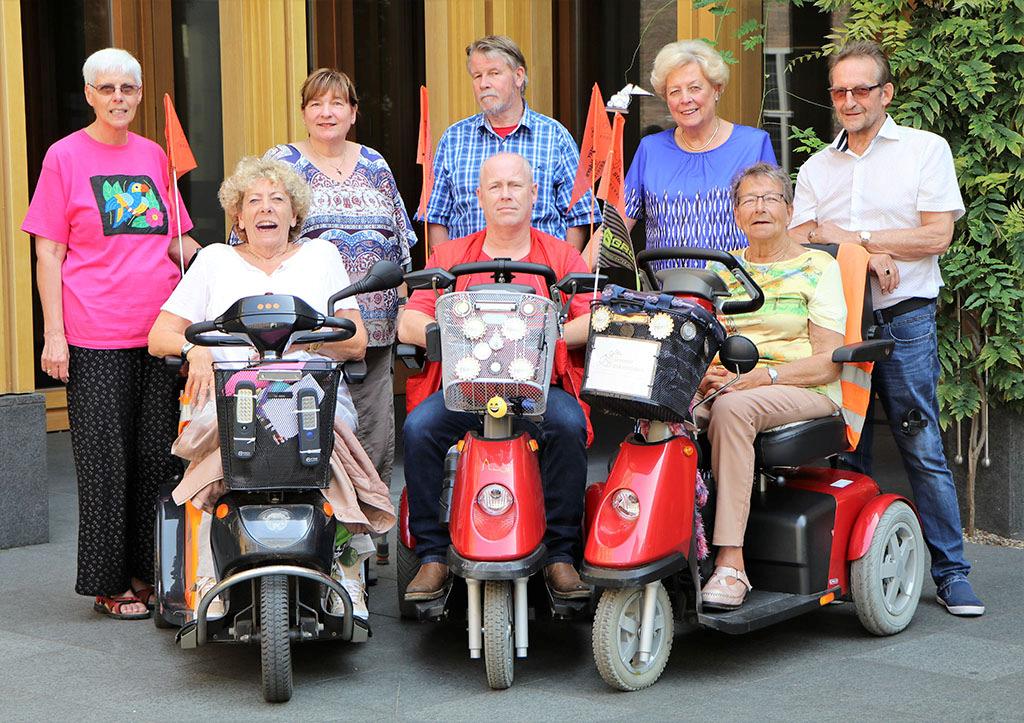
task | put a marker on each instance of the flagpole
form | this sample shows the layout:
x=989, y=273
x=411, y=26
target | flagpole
x=177, y=221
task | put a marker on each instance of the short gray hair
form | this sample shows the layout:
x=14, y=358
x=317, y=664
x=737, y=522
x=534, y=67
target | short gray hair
x=505, y=47
x=252, y=169
x=111, y=60
x=863, y=49
x=526, y=164
x=683, y=52
x=764, y=170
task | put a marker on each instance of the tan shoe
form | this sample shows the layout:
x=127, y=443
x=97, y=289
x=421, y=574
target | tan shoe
x=720, y=593
x=216, y=608
x=564, y=582
x=429, y=582
x=351, y=578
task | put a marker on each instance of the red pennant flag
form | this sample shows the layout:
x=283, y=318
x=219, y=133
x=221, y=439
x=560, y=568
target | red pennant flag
x=425, y=152
x=611, y=189
x=596, y=136
x=179, y=154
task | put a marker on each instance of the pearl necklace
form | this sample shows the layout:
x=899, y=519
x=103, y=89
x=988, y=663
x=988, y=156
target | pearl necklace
x=682, y=139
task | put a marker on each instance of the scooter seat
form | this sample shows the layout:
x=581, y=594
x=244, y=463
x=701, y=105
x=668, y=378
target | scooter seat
x=797, y=444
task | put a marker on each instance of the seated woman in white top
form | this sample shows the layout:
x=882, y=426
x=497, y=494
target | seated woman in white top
x=268, y=201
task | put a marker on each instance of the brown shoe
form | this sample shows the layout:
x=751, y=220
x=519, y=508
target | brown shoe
x=429, y=582
x=564, y=582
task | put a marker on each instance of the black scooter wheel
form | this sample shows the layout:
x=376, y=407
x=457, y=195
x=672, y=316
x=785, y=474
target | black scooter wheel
x=275, y=647
x=499, y=650
x=407, y=567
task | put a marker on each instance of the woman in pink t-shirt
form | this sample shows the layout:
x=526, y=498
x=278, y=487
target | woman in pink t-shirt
x=103, y=222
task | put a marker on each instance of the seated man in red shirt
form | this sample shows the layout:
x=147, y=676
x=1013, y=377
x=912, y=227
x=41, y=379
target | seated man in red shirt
x=506, y=193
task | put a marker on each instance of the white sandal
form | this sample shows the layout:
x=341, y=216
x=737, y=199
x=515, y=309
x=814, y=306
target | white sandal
x=718, y=593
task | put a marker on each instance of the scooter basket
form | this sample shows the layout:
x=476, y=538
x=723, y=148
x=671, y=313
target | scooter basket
x=646, y=354
x=496, y=344
x=289, y=400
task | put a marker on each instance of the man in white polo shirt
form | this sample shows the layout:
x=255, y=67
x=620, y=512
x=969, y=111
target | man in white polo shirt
x=893, y=189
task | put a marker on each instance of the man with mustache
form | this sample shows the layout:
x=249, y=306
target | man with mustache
x=505, y=124
x=893, y=189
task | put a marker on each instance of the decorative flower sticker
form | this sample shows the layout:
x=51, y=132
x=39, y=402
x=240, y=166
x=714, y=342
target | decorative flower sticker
x=154, y=217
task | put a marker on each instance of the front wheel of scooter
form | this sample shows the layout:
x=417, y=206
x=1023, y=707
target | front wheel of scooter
x=499, y=646
x=616, y=638
x=275, y=646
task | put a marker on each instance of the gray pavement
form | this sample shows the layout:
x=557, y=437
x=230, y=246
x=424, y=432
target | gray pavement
x=61, y=661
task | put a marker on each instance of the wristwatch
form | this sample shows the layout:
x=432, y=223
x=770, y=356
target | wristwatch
x=864, y=236
x=772, y=374
x=185, y=349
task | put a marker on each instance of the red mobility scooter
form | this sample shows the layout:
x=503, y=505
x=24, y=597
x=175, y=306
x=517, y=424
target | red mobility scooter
x=814, y=535
x=496, y=344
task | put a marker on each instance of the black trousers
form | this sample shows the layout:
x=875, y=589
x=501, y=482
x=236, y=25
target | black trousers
x=122, y=406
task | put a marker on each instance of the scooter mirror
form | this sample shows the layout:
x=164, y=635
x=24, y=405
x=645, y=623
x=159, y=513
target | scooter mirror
x=738, y=354
x=429, y=279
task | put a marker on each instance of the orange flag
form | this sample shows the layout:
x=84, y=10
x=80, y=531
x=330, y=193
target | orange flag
x=425, y=152
x=179, y=154
x=611, y=189
x=596, y=136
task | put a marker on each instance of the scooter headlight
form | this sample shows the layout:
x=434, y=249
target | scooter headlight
x=277, y=527
x=626, y=504
x=495, y=499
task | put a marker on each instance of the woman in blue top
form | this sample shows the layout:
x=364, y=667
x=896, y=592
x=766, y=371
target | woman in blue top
x=678, y=183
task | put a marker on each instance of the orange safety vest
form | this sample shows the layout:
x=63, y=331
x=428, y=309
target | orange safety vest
x=855, y=377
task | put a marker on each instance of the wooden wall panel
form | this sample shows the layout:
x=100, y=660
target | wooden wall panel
x=144, y=28
x=741, y=101
x=451, y=25
x=16, y=362
x=263, y=63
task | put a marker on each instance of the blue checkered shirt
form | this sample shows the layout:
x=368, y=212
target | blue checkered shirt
x=543, y=141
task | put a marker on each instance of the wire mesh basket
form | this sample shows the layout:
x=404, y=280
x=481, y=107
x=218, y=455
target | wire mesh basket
x=646, y=354
x=276, y=423
x=496, y=343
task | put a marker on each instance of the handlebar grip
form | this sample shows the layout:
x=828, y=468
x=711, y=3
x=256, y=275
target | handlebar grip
x=173, y=361
x=199, y=335
x=502, y=265
x=346, y=329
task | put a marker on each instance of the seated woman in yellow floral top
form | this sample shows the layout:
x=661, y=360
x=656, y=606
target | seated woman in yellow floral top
x=800, y=325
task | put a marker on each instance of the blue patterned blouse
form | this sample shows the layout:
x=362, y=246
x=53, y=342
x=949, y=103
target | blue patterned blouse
x=365, y=218
x=683, y=197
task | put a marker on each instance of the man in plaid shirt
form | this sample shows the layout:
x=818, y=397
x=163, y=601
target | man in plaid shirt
x=506, y=124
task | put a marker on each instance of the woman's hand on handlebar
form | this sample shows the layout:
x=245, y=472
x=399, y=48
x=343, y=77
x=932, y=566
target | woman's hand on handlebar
x=199, y=386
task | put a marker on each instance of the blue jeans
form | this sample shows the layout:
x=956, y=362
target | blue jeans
x=432, y=428
x=905, y=381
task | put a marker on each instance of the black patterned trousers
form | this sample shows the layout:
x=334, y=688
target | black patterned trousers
x=122, y=406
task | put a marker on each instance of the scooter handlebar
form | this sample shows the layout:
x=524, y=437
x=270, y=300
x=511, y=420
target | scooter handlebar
x=739, y=306
x=346, y=329
x=505, y=266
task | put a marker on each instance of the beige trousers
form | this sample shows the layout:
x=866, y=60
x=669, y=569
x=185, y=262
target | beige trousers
x=732, y=421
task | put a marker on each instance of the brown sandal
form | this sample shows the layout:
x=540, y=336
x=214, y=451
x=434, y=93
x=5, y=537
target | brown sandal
x=112, y=606
x=145, y=594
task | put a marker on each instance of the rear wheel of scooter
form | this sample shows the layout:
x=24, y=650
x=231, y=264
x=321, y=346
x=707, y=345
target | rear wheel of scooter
x=499, y=647
x=616, y=637
x=407, y=567
x=275, y=647
x=886, y=581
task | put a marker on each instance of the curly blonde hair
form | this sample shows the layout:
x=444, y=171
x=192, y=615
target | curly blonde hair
x=683, y=52
x=252, y=169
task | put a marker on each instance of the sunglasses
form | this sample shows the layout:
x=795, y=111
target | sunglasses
x=127, y=89
x=860, y=92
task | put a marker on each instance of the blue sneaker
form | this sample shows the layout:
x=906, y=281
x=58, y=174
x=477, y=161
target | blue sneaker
x=958, y=597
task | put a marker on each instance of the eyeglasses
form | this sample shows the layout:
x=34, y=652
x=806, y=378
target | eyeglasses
x=127, y=90
x=860, y=92
x=770, y=199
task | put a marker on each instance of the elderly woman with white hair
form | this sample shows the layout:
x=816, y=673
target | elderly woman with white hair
x=678, y=183
x=104, y=227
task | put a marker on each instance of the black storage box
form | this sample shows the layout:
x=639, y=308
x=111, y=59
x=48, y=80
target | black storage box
x=647, y=353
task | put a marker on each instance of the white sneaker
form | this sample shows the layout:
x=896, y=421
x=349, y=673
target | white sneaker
x=217, y=607
x=351, y=578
